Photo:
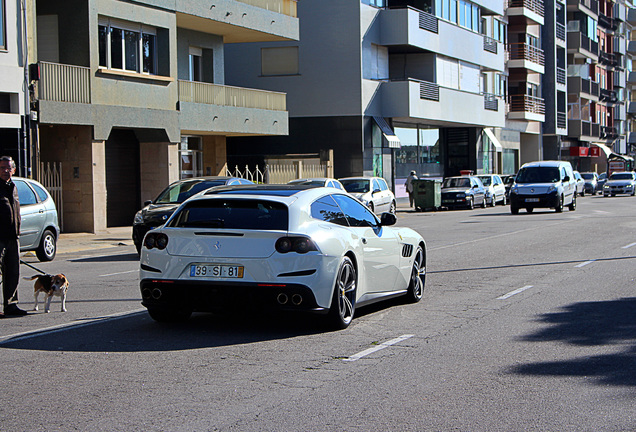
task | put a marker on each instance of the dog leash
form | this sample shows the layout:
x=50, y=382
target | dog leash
x=34, y=268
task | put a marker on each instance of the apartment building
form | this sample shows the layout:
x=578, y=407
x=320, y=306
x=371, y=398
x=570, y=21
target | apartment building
x=131, y=96
x=630, y=25
x=389, y=85
x=13, y=65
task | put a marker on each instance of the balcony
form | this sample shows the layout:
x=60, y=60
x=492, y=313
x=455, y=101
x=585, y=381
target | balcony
x=240, y=20
x=583, y=87
x=620, y=79
x=409, y=27
x=441, y=106
x=631, y=137
x=560, y=76
x=607, y=22
x=64, y=83
x=631, y=16
x=582, y=46
x=608, y=59
x=631, y=47
x=524, y=107
x=532, y=10
x=608, y=133
x=608, y=96
x=583, y=130
x=227, y=109
x=631, y=108
x=620, y=112
x=631, y=78
x=588, y=6
x=522, y=55
x=561, y=120
x=560, y=31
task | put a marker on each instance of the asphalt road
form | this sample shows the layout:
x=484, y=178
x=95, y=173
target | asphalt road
x=527, y=324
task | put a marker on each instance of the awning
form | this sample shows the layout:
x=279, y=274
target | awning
x=608, y=151
x=389, y=135
x=493, y=139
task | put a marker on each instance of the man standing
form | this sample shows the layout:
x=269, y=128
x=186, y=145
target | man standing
x=409, y=186
x=9, y=234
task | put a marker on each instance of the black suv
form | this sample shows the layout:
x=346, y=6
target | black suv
x=157, y=212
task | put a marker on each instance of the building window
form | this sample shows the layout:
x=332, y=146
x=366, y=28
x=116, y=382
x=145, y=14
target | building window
x=279, y=61
x=196, y=64
x=127, y=46
x=190, y=157
x=3, y=38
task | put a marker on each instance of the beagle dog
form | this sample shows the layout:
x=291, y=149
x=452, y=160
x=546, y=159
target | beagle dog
x=50, y=285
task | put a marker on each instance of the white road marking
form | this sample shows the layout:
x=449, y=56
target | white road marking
x=377, y=348
x=628, y=246
x=67, y=326
x=113, y=274
x=511, y=293
x=583, y=264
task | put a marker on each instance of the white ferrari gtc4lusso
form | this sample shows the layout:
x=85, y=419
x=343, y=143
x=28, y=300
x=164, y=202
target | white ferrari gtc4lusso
x=278, y=246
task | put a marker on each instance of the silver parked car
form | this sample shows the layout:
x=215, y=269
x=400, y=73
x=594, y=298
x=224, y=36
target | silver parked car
x=372, y=191
x=40, y=229
x=318, y=182
x=495, y=189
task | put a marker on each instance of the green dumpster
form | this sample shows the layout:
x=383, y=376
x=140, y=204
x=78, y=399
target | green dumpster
x=427, y=194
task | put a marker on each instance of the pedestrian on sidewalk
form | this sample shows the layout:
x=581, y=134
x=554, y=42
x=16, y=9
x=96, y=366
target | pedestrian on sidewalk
x=409, y=186
x=9, y=237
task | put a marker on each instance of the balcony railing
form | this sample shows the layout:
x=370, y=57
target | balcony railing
x=215, y=94
x=491, y=102
x=592, y=5
x=429, y=22
x=609, y=132
x=561, y=120
x=490, y=45
x=534, y=5
x=560, y=31
x=285, y=7
x=64, y=83
x=528, y=104
x=523, y=51
x=579, y=41
x=607, y=22
x=560, y=75
x=606, y=95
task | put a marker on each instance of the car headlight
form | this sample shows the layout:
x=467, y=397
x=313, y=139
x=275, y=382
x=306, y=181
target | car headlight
x=139, y=218
x=552, y=189
x=605, y=186
x=461, y=195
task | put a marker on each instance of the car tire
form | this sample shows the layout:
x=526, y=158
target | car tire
x=494, y=201
x=514, y=210
x=471, y=203
x=48, y=246
x=371, y=207
x=583, y=193
x=417, y=282
x=343, y=299
x=529, y=209
x=559, y=206
x=572, y=205
x=484, y=203
x=393, y=207
x=169, y=316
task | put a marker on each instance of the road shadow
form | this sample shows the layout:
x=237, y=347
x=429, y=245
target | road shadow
x=108, y=258
x=137, y=332
x=590, y=324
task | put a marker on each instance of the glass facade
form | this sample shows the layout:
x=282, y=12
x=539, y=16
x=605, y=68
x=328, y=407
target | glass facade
x=420, y=151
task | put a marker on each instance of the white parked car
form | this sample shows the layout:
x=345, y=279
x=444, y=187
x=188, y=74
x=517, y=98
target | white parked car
x=495, y=189
x=319, y=181
x=580, y=183
x=620, y=183
x=279, y=246
x=372, y=191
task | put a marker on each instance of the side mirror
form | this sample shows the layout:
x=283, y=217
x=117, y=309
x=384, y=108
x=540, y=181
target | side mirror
x=566, y=178
x=147, y=203
x=387, y=219
x=476, y=187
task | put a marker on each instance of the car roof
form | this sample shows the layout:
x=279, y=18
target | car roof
x=360, y=178
x=553, y=164
x=310, y=179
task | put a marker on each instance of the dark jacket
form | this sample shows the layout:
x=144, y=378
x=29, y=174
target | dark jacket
x=9, y=211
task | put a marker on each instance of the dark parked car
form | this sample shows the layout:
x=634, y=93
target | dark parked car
x=464, y=191
x=591, y=182
x=156, y=213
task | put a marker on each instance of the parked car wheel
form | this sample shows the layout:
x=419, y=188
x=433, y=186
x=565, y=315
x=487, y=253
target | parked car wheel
x=484, y=203
x=393, y=207
x=418, y=277
x=471, y=204
x=514, y=210
x=493, y=202
x=529, y=209
x=504, y=201
x=342, y=303
x=48, y=247
x=559, y=207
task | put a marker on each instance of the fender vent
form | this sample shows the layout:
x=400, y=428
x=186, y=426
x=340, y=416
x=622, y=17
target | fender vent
x=407, y=250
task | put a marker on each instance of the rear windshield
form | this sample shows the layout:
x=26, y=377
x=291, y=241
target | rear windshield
x=485, y=180
x=356, y=186
x=538, y=175
x=233, y=214
x=179, y=192
x=588, y=176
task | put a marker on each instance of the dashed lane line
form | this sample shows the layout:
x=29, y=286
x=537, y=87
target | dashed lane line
x=377, y=348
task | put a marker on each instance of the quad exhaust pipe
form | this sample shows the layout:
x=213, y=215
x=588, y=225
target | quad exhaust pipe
x=283, y=299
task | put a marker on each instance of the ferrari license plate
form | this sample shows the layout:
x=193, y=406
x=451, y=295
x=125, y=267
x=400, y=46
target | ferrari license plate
x=220, y=271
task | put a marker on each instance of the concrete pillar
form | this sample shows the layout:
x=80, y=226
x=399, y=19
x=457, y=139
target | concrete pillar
x=98, y=186
x=159, y=165
x=214, y=155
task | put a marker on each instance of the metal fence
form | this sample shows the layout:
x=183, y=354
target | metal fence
x=280, y=173
x=51, y=179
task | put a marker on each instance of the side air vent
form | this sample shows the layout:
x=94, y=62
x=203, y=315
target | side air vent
x=407, y=250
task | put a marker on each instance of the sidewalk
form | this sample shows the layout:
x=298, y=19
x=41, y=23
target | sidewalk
x=77, y=242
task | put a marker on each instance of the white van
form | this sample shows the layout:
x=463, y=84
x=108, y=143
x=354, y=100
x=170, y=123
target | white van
x=545, y=184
